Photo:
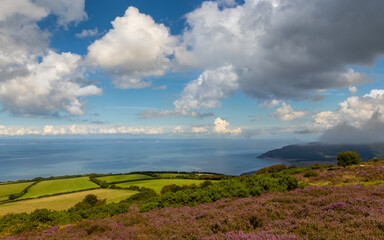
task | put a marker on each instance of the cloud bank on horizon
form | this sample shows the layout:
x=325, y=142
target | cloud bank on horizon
x=287, y=55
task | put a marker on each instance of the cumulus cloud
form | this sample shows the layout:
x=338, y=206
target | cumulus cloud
x=271, y=103
x=206, y=92
x=286, y=113
x=21, y=39
x=354, y=111
x=208, y=89
x=67, y=11
x=357, y=120
x=227, y=3
x=222, y=127
x=352, y=89
x=55, y=84
x=87, y=33
x=35, y=80
x=136, y=47
x=277, y=54
x=23, y=8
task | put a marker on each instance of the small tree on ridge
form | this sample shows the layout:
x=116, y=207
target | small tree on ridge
x=348, y=158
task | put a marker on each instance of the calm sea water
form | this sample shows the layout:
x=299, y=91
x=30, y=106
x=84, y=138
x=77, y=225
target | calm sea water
x=26, y=159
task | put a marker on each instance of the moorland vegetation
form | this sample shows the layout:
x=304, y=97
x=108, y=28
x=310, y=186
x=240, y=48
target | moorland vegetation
x=278, y=202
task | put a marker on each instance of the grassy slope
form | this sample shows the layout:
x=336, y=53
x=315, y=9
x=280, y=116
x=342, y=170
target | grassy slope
x=8, y=189
x=170, y=175
x=125, y=177
x=62, y=202
x=158, y=184
x=52, y=187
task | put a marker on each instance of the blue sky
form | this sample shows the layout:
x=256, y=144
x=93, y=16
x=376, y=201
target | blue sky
x=255, y=68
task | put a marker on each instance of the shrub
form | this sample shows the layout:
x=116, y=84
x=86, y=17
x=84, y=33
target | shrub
x=170, y=188
x=348, y=158
x=12, y=197
x=206, y=183
x=90, y=199
x=311, y=174
x=272, y=169
x=289, y=182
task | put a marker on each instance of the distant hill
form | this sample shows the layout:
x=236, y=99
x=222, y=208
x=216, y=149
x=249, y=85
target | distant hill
x=306, y=154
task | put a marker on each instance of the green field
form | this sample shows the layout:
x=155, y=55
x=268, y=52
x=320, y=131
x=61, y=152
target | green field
x=13, y=188
x=62, y=202
x=158, y=184
x=123, y=178
x=4, y=198
x=52, y=187
x=170, y=175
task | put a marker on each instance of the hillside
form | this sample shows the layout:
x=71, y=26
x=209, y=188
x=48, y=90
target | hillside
x=330, y=202
x=306, y=154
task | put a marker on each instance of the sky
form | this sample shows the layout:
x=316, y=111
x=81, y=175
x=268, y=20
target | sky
x=310, y=70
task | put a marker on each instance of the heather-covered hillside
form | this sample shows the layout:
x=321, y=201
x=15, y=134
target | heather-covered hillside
x=331, y=203
x=352, y=212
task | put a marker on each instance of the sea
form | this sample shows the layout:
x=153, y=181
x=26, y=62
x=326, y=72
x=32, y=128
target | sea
x=29, y=158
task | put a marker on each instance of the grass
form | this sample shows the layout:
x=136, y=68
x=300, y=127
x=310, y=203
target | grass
x=62, y=202
x=170, y=175
x=53, y=187
x=124, y=178
x=158, y=184
x=4, y=198
x=8, y=189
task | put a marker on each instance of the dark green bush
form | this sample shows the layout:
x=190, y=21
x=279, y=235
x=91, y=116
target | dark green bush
x=311, y=174
x=348, y=158
x=90, y=199
x=170, y=188
x=272, y=169
x=206, y=183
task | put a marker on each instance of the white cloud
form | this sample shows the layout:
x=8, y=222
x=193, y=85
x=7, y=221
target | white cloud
x=271, y=103
x=208, y=89
x=50, y=130
x=21, y=39
x=67, y=11
x=352, y=89
x=206, y=92
x=355, y=111
x=136, y=47
x=286, y=113
x=276, y=54
x=34, y=80
x=222, y=127
x=227, y=3
x=87, y=33
x=55, y=84
x=197, y=129
x=25, y=8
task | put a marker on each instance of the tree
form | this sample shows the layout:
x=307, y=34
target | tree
x=90, y=199
x=348, y=158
